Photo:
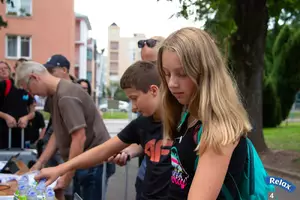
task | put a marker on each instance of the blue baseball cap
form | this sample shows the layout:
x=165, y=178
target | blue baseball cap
x=57, y=60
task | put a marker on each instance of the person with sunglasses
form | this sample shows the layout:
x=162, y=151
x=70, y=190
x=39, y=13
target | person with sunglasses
x=149, y=48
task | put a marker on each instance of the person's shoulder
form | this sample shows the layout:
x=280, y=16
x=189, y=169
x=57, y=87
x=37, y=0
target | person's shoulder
x=142, y=119
x=241, y=148
x=38, y=113
x=67, y=88
x=146, y=122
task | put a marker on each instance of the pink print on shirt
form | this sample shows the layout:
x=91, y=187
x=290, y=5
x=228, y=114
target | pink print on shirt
x=179, y=175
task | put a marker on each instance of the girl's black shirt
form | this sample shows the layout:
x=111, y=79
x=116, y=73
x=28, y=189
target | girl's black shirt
x=183, y=157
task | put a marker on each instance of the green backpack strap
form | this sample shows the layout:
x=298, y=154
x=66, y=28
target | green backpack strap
x=224, y=189
x=198, y=142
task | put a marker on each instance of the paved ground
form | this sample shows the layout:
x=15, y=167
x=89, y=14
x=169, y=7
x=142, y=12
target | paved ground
x=116, y=187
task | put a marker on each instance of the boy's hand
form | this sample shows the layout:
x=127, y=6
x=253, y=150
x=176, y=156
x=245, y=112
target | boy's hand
x=120, y=159
x=64, y=181
x=50, y=174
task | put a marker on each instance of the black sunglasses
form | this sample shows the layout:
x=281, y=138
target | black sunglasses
x=150, y=43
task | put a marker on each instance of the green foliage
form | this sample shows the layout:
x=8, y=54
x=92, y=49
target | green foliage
x=268, y=54
x=282, y=75
x=2, y=22
x=271, y=105
x=287, y=71
x=280, y=41
x=115, y=115
x=120, y=95
x=284, y=10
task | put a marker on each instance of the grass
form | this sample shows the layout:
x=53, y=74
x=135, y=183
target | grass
x=45, y=115
x=106, y=115
x=115, y=115
x=283, y=137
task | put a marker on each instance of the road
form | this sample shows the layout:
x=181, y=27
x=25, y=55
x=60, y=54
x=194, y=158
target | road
x=116, y=187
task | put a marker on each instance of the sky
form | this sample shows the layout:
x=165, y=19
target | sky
x=132, y=16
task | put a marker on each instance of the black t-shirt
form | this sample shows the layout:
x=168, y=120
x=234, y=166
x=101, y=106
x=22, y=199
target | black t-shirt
x=17, y=101
x=35, y=125
x=148, y=133
x=183, y=158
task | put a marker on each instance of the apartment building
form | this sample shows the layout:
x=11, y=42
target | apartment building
x=35, y=33
x=83, y=54
x=122, y=52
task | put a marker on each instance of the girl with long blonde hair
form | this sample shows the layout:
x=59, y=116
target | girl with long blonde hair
x=200, y=98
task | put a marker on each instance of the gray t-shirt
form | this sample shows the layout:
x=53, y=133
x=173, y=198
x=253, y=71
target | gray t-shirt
x=73, y=109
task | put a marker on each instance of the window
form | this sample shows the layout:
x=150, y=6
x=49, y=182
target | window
x=114, y=56
x=114, y=66
x=89, y=54
x=18, y=46
x=114, y=45
x=21, y=8
x=113, y=73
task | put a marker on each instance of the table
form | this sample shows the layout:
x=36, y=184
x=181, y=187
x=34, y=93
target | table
x=10, y=192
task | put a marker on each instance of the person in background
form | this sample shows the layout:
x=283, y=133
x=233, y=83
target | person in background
x=85, y=84
x=5, y=71
x=16, y=108
x=36, y=128
x=19, y=61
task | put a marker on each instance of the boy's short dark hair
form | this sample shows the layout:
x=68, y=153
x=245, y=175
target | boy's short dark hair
x=140, y=75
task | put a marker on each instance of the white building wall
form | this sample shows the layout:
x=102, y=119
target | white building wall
x=83, y=49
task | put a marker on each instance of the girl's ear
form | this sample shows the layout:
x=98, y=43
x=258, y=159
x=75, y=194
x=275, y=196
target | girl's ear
x=154, y=90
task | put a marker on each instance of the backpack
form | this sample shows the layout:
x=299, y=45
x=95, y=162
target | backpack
x=253, y=185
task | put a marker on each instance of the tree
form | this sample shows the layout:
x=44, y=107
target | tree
x=2, y=22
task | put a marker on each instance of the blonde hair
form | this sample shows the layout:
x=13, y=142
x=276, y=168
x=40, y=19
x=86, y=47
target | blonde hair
x=215, y=101
x=26, y=68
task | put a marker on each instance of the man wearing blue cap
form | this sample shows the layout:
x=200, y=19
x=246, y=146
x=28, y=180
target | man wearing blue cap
x=59, y=66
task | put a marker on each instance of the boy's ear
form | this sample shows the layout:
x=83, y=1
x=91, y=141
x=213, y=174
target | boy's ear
x=65, y=70
x=154, y=90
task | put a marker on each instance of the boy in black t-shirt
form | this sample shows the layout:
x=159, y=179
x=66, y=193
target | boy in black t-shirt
x=141, y=84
